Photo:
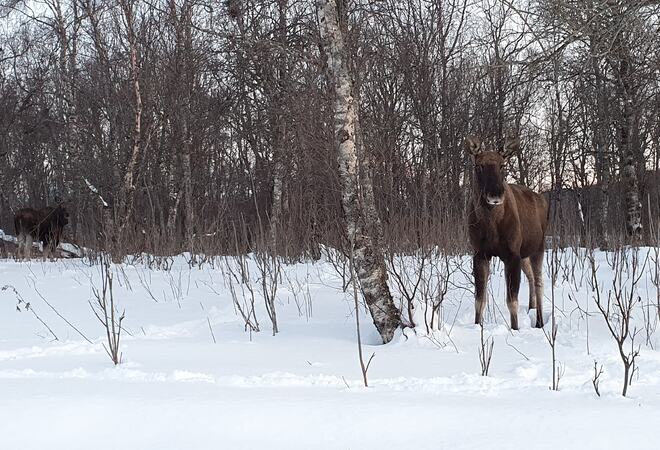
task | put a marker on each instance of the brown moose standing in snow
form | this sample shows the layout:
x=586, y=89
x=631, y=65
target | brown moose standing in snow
x=45, y=225
x=507, y=221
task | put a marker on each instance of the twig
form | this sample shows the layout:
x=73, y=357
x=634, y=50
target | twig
x=62, y=317
x=211, y=329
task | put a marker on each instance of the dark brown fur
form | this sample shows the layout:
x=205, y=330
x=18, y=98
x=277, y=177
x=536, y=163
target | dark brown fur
x=507, y=221
x=45, y=225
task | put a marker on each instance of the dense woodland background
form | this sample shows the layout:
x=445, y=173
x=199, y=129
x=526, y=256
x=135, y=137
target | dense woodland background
x=208, y=125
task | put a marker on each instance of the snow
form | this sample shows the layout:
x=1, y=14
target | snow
x=94, y=190
x=7, y=237
x=301, y=389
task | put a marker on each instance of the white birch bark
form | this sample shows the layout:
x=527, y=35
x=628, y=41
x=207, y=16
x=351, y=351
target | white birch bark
x=368, y=257
x=125, y=208
x=279, y=132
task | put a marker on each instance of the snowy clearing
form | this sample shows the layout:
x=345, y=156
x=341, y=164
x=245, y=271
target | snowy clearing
x=302, y=389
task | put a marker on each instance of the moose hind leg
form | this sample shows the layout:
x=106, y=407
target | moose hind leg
x=537, y=268
x=28, y=247
x=512, y=270
x=45, y=255
x=527, y=269
x=481, y=270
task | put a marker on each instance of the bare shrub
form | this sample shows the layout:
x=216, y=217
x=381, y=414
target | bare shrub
x=24, y=305
x=618, y=304
x=106, y=312
x=486, y=346
x=340, y=263
x=554, y=265
x=269, y=269
x=407, y=273
x=300, y=292
x=236, y=274
x=652, y=311
x=364, y=367
x=422, y=278
x=598, y=371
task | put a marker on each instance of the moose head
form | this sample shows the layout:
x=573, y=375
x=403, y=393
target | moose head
x=489, y=168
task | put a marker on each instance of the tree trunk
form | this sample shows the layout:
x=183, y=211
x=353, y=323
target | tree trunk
x=188, y=193
x=279, y=130
x=184, y=36
x=600, y=147
x=368, y=257
x=633, y=206
x=276, y=208
x=124, y=210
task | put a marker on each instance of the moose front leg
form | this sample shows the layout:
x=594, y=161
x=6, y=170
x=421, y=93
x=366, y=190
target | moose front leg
x=20, y=244
x=480, y=270
x=537, y=267
x=512, y=270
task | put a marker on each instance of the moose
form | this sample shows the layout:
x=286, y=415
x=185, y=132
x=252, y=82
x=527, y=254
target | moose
x=507, y=221
x=45, y=225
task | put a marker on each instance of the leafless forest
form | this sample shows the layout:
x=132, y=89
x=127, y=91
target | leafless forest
x=212, y=127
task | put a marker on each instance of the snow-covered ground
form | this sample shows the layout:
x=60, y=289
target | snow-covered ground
x=302, y=389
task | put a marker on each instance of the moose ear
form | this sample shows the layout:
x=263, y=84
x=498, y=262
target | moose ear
x=511, y=147
x=473, y=145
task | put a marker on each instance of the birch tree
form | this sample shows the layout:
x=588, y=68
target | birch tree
x=361, y=220
x=125, y=198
